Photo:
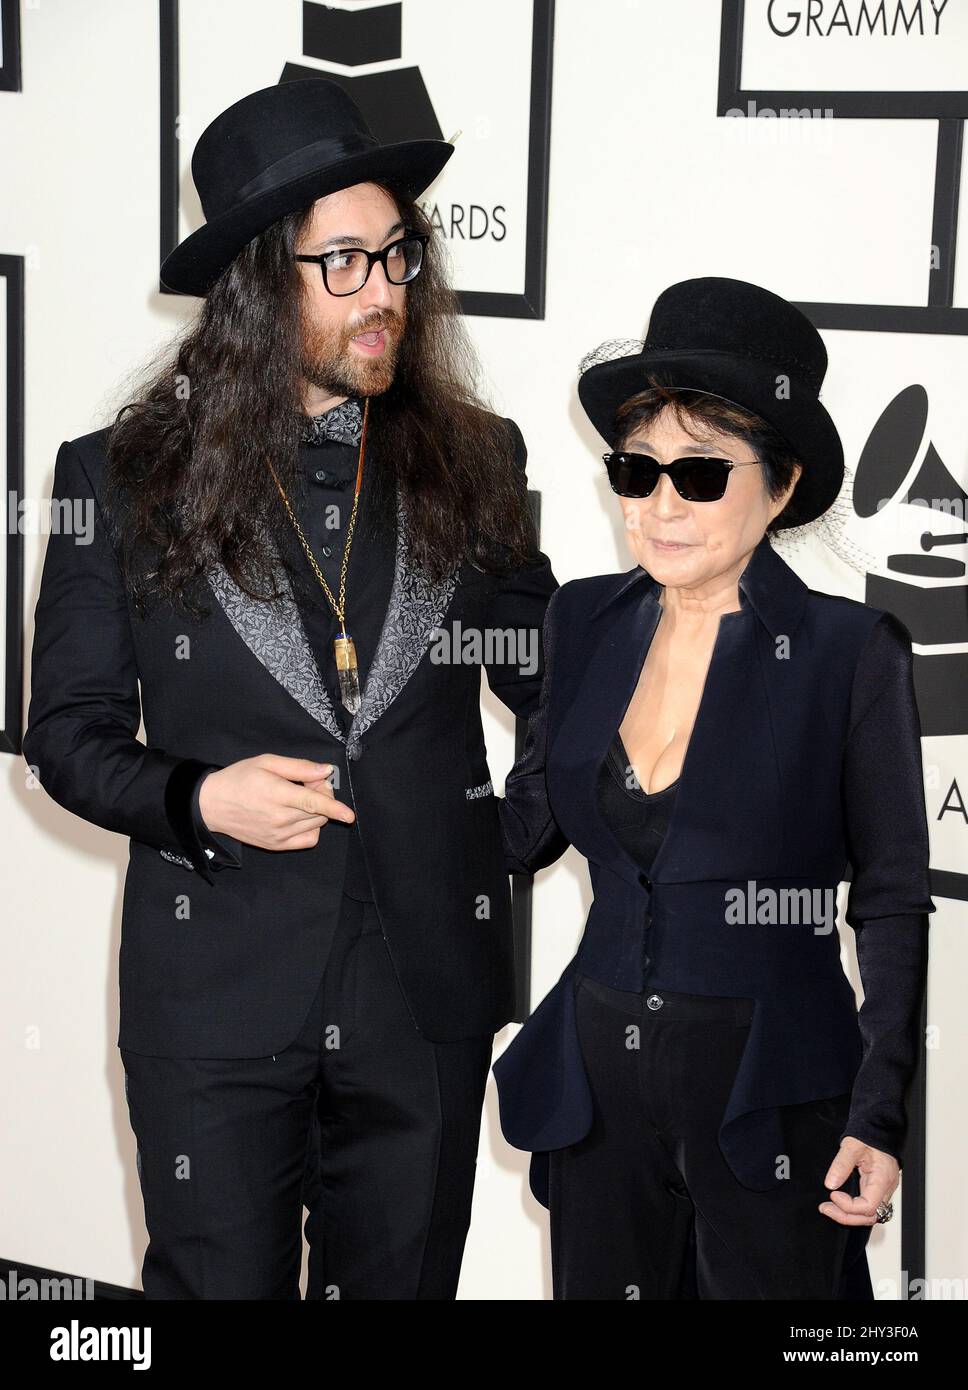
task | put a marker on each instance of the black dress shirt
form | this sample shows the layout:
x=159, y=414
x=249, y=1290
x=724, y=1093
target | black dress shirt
x=329, y=455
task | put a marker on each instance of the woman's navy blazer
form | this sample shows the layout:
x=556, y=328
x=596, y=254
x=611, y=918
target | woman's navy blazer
x=741, y=900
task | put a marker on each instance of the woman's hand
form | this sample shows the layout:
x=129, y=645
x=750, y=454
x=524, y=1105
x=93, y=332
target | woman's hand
x=272, y=802
x=879, y=1175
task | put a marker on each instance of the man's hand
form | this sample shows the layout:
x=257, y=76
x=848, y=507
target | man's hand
x=272, y=802
x=879, y=1176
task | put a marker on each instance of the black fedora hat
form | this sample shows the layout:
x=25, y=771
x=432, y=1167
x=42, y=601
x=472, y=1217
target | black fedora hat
x=276, y=150
x=746, y=345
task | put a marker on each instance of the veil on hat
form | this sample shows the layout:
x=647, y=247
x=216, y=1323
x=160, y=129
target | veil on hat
x=830, y=528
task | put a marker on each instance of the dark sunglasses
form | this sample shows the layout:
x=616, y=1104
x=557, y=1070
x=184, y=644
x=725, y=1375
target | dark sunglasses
x=347, y=269
x=696, y=478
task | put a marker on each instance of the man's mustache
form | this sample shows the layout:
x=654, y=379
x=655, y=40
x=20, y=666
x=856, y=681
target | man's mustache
x=387, y=319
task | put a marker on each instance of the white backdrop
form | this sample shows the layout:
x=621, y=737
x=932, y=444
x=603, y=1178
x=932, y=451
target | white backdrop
x=647, y=186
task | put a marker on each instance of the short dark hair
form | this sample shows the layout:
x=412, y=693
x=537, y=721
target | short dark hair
x=697, y=412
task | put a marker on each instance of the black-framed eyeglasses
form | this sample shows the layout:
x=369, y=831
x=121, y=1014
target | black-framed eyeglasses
x=696, y=478
x=347, y=269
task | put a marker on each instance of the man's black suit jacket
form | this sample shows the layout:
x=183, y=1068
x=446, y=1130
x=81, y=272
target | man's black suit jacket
x=226, y=964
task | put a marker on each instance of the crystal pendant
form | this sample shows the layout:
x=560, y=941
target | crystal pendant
x=348, y=672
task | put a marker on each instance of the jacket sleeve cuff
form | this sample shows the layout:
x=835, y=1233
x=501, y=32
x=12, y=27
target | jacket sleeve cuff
x=886, y=1141
x=197, y=853
x=221, y=851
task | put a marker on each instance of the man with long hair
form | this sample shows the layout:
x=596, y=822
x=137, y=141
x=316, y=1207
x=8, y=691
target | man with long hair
x=303, y=503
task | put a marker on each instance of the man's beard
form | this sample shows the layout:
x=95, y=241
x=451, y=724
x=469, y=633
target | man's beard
x=330, y=364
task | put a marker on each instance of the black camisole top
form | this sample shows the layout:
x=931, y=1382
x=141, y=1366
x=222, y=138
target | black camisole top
x=638, y=819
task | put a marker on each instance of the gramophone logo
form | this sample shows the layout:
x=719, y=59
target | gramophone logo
x=903, y=487
x=914, y=513
x=490, y=203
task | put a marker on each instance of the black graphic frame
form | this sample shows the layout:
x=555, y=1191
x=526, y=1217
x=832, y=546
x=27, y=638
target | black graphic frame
x=529, y=304
x=10, y=74
x=12, y=271
x=949, y=109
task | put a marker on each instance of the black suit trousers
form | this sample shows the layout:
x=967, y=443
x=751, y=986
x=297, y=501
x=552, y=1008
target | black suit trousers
x=224, y=1147
x=646, y=1206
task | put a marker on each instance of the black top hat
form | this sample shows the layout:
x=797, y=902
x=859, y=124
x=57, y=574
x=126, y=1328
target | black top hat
x=276, y=150
x=737, y=341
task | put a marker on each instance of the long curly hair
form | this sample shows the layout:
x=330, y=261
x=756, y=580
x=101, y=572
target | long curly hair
x=187, y=481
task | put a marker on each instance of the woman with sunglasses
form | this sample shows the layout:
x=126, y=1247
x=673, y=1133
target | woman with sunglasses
x=709, y=1115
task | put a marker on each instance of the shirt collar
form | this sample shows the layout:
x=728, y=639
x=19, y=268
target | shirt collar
x=767, y=586
x=342, y=423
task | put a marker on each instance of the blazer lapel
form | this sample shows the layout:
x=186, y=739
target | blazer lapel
x=275, y=635
x=593, y=717
x=415, y=610
x=730, y=775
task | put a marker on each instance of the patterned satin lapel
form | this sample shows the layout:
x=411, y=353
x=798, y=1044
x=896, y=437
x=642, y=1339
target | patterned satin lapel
x=275, y=634
x=415, y=610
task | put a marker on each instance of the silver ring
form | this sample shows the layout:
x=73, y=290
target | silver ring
x=885, y=1210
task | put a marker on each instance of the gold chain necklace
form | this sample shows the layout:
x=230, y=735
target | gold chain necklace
x=346, y=665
